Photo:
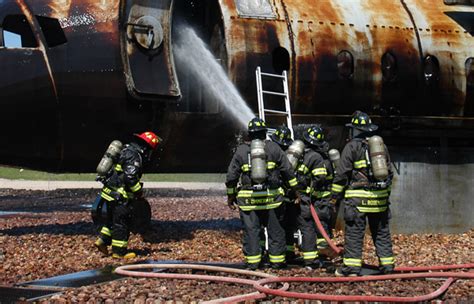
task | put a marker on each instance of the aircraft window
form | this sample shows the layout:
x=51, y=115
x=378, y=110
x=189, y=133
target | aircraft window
x=53, y=33
x=280, y=60
x=470, y=72
x=431, y=69
x=345, y=65
x=255, y=9
x=459, y=2
x=11, y=40
x=389, y=67
x=17, y=32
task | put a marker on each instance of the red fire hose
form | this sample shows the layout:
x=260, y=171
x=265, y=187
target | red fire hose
x=126, y=270
x=337, y=250
x=264, y=290
x=259, y=285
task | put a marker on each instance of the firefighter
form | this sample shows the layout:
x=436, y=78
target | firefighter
x=282, y=136
x=122, y=185
x=258, y=165
x=322, y=178
x=311, y=174
x=366, y=198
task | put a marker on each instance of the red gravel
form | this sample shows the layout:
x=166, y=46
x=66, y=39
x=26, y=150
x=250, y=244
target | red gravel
x=55, y=237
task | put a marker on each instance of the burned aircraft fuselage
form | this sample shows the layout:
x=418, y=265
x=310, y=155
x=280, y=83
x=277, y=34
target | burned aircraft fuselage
x=76, y=74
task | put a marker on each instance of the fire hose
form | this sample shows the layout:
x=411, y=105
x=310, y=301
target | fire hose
x=262, y=285
x=264, y=291
x=127, y=271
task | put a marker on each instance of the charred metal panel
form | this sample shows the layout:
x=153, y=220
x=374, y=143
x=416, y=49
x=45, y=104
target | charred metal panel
x=447, y=40
x=26, y=78
x=315, y=32
x=148, y=57
x=459, y=2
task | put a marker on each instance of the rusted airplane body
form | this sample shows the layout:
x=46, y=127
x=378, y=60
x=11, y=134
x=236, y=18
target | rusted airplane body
x=80, y=73
x=85, y=73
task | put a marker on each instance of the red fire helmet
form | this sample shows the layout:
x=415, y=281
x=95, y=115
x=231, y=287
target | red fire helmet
x=150, y=138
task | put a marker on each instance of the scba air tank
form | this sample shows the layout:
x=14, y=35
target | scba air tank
x=258, y=161
x=378, y=158
x=334, y=157
x=295, y=152
x=109, y=157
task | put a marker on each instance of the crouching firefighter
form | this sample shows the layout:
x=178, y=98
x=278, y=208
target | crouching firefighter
x=258, y=166
x=121, y=179
x=364, y=173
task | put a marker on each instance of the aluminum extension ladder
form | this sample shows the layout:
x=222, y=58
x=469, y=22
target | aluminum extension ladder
x=261, y=92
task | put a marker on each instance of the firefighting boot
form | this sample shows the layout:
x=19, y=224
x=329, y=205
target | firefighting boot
x=340, y=273
x=252, y=266
x=101, y=246
x=128, y=255
x=386, y=269
x=278, y=266
x=312, y=264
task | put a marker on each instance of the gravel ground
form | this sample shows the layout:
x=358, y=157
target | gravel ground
x=55, y=235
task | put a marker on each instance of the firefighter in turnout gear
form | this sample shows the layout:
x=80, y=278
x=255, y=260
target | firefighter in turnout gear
x=323, y=175
x=260, y=166
x=312, y=173
x=282, y=136
x=366, y=196
x=122, y=185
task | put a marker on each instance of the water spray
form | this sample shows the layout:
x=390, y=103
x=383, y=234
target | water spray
x=193, y=55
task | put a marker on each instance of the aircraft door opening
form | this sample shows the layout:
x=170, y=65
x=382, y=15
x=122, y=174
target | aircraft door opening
x=146, y=49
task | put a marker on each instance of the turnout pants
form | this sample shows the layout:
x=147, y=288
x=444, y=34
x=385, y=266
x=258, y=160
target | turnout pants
x=308, y=231
x=290, y=225
x=326, y=213
x=117, y=232
x=253, y=221
x=355, y=224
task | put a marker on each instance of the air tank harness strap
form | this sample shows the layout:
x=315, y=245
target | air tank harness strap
x=246, y=167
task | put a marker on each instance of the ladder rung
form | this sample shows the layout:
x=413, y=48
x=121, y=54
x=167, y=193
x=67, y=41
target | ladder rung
x=273, y=75
x=274, y=93
x=276, y=112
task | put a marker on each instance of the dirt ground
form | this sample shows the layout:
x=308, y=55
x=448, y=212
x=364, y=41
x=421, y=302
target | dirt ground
x=54, y=233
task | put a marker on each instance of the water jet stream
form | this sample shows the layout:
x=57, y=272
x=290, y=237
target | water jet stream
x=193, y=55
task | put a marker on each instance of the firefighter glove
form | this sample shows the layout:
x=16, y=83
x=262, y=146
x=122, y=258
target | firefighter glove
x=335, y=197
x=118, y=197
x=232, y=201
x=298, y=198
